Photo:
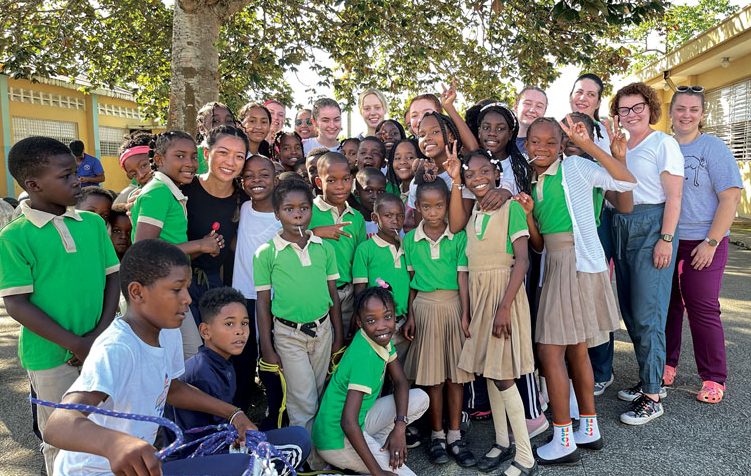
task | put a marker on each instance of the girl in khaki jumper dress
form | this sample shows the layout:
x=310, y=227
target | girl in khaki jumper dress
x=500, y=343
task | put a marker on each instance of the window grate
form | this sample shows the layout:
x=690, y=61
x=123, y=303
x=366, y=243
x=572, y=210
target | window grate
x=41, y=98
x=63, y=131
x=110, y=139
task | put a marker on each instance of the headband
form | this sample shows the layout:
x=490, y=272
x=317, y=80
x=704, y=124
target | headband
x=128, y=153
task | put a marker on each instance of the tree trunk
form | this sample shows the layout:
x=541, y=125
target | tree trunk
x=195, y=63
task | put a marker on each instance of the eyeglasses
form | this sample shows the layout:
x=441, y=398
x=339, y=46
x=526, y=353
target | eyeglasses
x=299, y=122
x=693, y=89
x=637, y=108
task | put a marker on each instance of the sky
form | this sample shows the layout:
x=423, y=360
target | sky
x=557, y=92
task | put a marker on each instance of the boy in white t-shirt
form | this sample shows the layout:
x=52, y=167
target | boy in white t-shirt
x=132, y=367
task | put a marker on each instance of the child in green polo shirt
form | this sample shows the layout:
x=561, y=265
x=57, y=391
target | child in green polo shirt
x=438, y=319
x=39, y=250
x=301, y=269
x=159, y=211
x=382, y=256
x=338, y=224
x=355, y=429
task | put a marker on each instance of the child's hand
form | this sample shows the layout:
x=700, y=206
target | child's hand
x=332, y=232
x=576, y=131
x=408, y=329
x=617, y=140
x=448, y=96
x=493, y=200
x=134, y=457
x=452, y=164
x=272, y=358
x=502, y=324
x=81, y=349
x=212, y=243
x=337, y=345
x=465, y=326
x=242, y=424
x=396, y=446
x=526, y=202
x=132, y=200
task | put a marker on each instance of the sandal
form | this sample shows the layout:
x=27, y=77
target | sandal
x=488, y=464
x=711, y=392
x=461, y=454
x=524, y=471
x=668, y=376
x=437, y=451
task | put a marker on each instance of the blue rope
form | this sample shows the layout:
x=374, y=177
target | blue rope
x=224, y=435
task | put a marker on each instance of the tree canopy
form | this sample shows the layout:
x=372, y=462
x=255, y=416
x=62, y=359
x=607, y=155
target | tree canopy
x=398, y=46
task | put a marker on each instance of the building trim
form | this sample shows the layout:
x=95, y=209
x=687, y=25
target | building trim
x=5, y=116
x=95, y=123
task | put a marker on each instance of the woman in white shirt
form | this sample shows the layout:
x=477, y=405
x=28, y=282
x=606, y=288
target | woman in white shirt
x=644, y=249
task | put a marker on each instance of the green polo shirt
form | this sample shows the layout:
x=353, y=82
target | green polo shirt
x=325, y=214
x=377, y=258
x=551, y=212
x=362, y=369
x=298, y=276
x=162, y=204
x=435, y=263
x=62, y=262
x=517, y=225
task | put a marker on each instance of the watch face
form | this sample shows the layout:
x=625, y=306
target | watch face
x=712, y=242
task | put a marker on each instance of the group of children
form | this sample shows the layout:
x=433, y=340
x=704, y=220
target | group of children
x=410, y=253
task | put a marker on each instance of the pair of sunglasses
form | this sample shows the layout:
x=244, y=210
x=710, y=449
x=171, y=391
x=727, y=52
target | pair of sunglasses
x=693, y=89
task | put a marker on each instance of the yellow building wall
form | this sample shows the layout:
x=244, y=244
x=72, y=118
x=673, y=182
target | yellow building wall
x=115, y=178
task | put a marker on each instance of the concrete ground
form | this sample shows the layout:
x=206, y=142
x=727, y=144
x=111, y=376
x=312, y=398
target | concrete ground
x=691, y=438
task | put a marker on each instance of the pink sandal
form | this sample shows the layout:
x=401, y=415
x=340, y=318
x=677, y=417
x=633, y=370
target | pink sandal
x=711, y=392
x=668, y=376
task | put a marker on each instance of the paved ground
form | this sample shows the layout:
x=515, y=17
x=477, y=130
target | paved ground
x=692, y=438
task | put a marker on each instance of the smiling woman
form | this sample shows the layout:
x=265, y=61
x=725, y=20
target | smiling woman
x=373, y=109
x=216, y=197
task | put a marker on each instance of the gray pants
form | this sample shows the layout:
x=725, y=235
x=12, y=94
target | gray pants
x=643, y=290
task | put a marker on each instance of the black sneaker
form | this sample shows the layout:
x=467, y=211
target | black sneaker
x=643, y=410
x=412, y=435
x=465, y=423
x=437, y=451
x=461, y=454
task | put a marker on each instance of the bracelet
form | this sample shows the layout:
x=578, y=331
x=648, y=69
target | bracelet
x=236, y=412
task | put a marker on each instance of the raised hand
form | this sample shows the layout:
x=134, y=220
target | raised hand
x=576, y=131
x=448, y=96
x=452, y=164
x=618, y=141
x=525, y=201
x=332, y=232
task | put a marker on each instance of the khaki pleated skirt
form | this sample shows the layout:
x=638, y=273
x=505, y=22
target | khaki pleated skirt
x=575, y=307
x=433, y=356
x=493, y=357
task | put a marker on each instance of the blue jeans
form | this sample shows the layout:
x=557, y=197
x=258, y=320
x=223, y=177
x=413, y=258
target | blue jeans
x=643, y=290
x=601, y=356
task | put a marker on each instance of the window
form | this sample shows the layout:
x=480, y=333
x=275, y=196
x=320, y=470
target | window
x=729, y=117
x=110, y=139
x=24, y=127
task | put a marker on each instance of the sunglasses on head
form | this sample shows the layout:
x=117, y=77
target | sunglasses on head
x=693, y=89
x=299, y=122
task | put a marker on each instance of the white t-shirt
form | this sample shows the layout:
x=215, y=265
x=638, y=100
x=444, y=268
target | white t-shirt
x=135, y=376
x=656, y=154
x=312, y=143
x=604, y=142
x=255, y=229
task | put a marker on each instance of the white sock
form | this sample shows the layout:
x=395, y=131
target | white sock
x=515, y=412
x=572, y=403
x=438, y=435
x=453, y=435
x=561, y=445
x=588, y=431
x=498, y=407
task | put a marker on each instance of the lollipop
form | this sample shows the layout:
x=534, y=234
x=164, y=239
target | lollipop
x=215, y=226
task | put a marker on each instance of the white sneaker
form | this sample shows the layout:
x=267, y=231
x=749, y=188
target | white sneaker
x=601, y=386
x=643, y=410
x=633, y=393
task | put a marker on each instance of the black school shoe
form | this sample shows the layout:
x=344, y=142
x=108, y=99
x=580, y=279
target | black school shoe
x=437, y=451
x=488, y=464
x=459, y=451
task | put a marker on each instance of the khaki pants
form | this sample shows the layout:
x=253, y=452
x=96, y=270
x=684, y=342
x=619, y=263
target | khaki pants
x=378, y=424
x=305, y=363
x=346, y=304
x=51, y=385
x=191, y=338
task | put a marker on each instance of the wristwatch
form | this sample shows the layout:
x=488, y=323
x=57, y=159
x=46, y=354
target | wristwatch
x=712, y=242
x=667, y=237
x=401, y=418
